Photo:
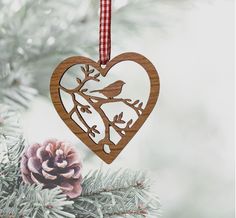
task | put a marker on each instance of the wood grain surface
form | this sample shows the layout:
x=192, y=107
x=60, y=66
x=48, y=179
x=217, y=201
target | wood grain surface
x=110, y=92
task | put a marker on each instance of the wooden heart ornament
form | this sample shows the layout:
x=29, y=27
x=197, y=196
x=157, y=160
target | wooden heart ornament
x=86, y=102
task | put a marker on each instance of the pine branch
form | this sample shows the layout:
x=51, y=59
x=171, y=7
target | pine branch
x=16, y=90
x=121, y=193
x=9, y=166
x=11, y=147
x=35, y=202
x=10, y=130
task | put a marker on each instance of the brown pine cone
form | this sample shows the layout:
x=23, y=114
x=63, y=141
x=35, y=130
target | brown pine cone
x=53, y=164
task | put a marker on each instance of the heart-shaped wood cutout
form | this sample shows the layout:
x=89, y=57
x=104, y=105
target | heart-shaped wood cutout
x=87, y=102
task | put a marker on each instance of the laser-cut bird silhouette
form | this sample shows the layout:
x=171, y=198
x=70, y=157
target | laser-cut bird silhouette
x=111, y=90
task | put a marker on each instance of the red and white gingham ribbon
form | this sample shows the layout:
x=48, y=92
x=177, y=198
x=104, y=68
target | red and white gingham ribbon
x=105, y=31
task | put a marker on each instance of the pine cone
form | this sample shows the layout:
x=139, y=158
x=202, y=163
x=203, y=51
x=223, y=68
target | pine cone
x=53, y=164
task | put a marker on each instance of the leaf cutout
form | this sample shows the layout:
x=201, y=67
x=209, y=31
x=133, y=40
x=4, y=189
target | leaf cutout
x=97, y=75
x=84, y=90
x=115, y=118
x=92, y=134
x=96, y=131
x=88, y=111
x=82, y=68
x=78, y=80
x=87, y=67
x=120, y=115
x=140, y=105
x=129, y=122
x=91, y=71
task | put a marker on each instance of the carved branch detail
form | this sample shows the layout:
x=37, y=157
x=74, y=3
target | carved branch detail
x=110, y=92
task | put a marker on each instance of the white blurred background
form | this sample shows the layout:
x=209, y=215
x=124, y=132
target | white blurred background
x=187, y=142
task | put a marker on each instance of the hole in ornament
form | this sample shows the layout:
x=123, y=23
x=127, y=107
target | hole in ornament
x=79, y=74
x=103, y=66
x=114, y=136
x=72, y=76
x=89, y=115
x=121, y=117
x=137, y=83
x=107, y=149
x=66, y=100
x=93, y=134
x=77, y=120
x=81, y=100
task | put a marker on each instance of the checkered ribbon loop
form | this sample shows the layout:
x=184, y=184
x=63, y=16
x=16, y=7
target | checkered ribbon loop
x=105, y=32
